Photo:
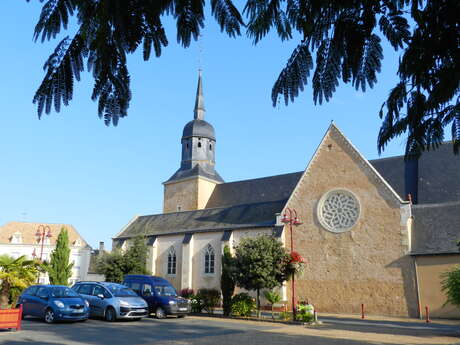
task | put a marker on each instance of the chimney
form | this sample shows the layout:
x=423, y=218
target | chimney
x=411, y=178
x=101, y=247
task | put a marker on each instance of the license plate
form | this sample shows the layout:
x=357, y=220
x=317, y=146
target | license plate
x=78, y=311
x=182, y=309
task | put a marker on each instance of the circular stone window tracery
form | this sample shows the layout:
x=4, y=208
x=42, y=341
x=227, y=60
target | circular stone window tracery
x=338, y=210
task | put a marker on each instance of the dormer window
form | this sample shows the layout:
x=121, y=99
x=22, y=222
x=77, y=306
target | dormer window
x=16, y=238
x=199, y=144
x=210, y=147
x=179, y=208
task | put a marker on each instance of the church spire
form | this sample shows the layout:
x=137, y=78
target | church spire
x=199, y=102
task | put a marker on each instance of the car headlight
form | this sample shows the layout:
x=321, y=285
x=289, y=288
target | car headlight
x=124, y=303
x=86, y=303
x=59, y=304
x=172, y=302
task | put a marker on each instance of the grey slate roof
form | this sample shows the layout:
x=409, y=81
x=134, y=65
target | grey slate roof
x=439, y=175
x=272, y=188
x=215, y=219
x=196, y=171
x=436, y=228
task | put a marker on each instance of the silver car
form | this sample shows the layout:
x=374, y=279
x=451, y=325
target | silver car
x=112, y=301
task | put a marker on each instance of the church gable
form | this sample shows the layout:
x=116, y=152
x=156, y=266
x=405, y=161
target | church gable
x=354, y=233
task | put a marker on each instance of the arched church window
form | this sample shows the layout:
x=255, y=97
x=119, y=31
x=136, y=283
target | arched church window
x=171, y=261
x=209, y=260
x=187, y=145
x=210, y=147
x=199, y=144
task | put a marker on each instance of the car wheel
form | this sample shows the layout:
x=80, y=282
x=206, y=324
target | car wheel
x=110, y=314
x=160, y=313
x=137, y=319
x=49, y=316
x=180, y=316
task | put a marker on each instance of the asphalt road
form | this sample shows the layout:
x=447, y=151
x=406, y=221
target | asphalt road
x=207, y=331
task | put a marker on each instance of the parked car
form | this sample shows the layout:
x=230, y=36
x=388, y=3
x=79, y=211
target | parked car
x=53, y=303
x=160, y=295
x=112, y=301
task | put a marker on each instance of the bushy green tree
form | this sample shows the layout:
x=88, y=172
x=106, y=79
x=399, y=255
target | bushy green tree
x=59, y=269
x=338, y=41
x=451, y=286
x=261, y=263
x=117, y=264
x=136, y=257
x=15, y=275
x=227, y=280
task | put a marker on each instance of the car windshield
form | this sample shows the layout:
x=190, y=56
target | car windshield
x=121, y=291
x=165, y=290
x=63, y=292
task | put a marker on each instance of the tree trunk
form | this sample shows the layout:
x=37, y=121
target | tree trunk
x=258, y=303
x=4, y=295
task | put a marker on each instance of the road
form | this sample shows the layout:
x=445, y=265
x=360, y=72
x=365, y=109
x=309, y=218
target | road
x=212, y=331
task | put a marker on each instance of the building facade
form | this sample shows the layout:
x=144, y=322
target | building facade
x=22, y=238
x=365, y=241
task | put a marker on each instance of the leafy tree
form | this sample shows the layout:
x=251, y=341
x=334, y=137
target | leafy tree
x=116, y=265
x=136, y=257
x=59, y=269
x=345, y=36
x=112, y=266
x=227, y=280
x=15, y=275
x=272, y=297
x=260, y=263
x=451, y=286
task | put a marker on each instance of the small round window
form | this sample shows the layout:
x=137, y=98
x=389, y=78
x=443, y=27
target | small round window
x=338, y=210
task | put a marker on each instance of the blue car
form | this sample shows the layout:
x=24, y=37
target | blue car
x=53, y=303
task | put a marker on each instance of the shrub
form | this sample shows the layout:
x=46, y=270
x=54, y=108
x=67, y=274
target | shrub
x=305, y=312
x=285, y=315
x=197, y=303
x=210, y=298
x=272, y=297
x=186, y=293
x=243, y=304
x=451, y=286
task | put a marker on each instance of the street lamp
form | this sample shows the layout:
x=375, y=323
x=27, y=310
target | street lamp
x=291, y=220
x=42, y=232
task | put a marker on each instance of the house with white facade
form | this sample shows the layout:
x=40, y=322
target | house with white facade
x=38, y=240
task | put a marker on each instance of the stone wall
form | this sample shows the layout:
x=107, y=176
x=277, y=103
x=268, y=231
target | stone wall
x=183, y=193
x=367, y=264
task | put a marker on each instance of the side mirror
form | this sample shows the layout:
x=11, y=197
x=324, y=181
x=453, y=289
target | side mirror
x=101, y=296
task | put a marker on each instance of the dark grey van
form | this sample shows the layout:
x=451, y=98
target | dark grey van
x=159, y=294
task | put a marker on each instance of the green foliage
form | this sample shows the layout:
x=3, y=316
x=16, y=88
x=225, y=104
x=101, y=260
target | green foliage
x=210, y=299
x=227, y=280
x=15, y=275
x=136, y=257
x=451, y=286
x=116, y=265
x=285, y=315
x=345, y=36
x=272, y=297
x=243, y=305
x=260, y=263
x=197, y=303
x=305, y=312
x=112, y=266
x=59, y=269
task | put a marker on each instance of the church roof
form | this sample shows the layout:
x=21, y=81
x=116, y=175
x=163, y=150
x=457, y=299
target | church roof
x=197, y=170
x=439, y=175
x=198, y=128
x=265, y=189
x=205, y=220
x=436, y=228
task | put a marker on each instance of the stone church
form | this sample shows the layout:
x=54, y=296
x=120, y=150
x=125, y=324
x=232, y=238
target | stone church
x=365, y=241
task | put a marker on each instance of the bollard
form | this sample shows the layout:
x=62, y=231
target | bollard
x=427, y=314
x=362, y=311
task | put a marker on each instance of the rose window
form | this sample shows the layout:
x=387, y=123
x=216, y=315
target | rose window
x=338, y=210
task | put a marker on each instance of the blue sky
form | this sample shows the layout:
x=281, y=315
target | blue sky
x=70, y=168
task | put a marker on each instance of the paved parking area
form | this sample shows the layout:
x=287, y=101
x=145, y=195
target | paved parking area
x=212, y=331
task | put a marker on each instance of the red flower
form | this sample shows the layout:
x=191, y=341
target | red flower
x=296, y=258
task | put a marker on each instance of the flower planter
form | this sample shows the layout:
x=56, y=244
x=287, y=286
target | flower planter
x=11, y=318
